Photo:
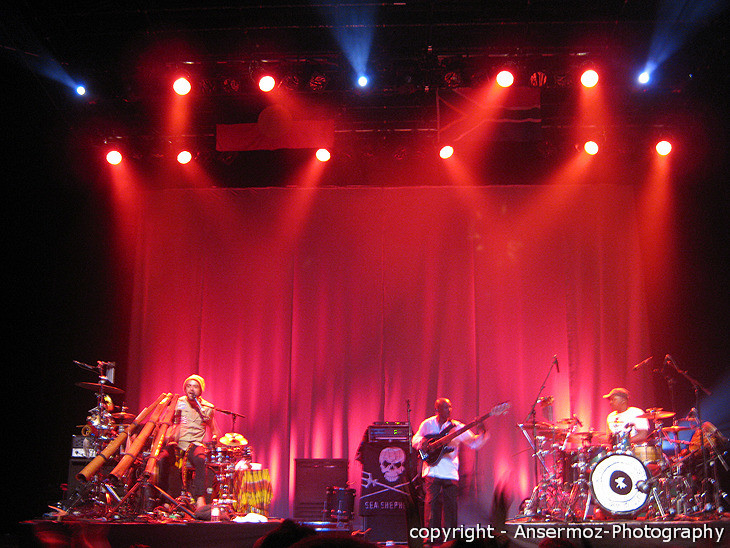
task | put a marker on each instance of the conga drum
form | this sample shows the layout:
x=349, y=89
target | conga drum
x=251, y=488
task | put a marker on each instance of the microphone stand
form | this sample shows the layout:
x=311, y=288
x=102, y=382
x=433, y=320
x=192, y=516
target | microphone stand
x=232, y=414
x=537, y=457
x=413, y=510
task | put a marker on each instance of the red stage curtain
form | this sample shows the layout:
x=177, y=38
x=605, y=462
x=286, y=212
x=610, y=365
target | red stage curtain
x=315, y=312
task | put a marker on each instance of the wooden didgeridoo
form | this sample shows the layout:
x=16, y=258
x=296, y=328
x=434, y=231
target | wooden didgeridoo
x=93, y=467
x=126, y=461
x=149, y=470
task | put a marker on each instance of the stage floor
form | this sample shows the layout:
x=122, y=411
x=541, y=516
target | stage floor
x=202, y=534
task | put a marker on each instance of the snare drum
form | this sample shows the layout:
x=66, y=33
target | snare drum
x=614, y=481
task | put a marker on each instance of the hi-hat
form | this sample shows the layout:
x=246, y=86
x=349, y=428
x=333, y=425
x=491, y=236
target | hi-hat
x=96, y=387
x=122, y=416
x=233, y=439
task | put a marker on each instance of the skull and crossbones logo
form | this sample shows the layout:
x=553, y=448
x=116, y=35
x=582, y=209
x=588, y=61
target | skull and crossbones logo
x=392, y=463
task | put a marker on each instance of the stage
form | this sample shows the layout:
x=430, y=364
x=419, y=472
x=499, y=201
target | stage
x=200, y=534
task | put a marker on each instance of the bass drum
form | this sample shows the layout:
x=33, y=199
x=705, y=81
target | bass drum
x=614, y=482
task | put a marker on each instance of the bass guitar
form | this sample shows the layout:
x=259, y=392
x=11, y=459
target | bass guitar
x=437, y=445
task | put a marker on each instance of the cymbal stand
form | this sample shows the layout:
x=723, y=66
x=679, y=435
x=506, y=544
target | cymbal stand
x=709, y=487
x=548, y=493
x=580, y=496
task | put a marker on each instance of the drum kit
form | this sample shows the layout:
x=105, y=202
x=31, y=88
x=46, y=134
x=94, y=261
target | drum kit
x=587, y=474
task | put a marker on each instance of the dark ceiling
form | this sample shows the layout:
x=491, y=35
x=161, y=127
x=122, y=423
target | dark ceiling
x=127, y=53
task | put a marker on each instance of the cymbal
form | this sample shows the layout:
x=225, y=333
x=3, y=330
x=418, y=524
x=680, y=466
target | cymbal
x=656, y=413
x=96, y=387
x=593, y=436
x=233, y=439
x=675, y=429
x=122, y=416
x=544, y=428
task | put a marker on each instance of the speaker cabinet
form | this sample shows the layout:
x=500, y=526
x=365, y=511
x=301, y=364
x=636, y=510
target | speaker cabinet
x=74, y=467
x=313, y=477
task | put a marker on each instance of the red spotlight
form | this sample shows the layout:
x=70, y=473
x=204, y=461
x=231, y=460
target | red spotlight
x=267, y=83
x=591, y=147
x=446, y=152
x=114, y=157
x=663, y=148
x=323, y=155
x=184, y=157
x=505, y=78
x=589, y=78
x=182, y=86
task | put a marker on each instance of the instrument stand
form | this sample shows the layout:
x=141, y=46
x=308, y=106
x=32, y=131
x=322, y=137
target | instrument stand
x=225, y=497
x=142, y=507
x=709, y=493
x=95, y=492
x=547, y=493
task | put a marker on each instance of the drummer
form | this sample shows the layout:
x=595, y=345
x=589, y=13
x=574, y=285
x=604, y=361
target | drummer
x=624, y=421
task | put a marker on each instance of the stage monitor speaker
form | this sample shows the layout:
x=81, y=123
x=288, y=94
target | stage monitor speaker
x=313, y=477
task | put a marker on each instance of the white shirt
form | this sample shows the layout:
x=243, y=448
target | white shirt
x=448, y=466
x=618, y=422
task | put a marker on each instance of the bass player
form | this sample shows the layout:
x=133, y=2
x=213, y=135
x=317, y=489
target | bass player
x=441, y=469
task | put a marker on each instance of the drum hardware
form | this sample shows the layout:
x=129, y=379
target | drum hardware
x=339, y=505
x=656, y=413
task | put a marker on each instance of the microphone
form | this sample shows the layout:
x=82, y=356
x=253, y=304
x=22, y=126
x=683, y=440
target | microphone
x=555, y=363
x=642, y=486
x=669, y=360
x=643, y=363
x=577, y=420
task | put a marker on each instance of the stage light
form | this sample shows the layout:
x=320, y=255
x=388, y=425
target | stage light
x=267, y=83
x=323, y=155
x=317, y=81
x=505, y=78
x=538, y=79
x=362, y=81
x=81, y=90
x=446, y=152
x=643, y=78
x=663, y=148
x=453, y=79
x=591, y=147
x=184, y=157
x=114, y=157
x=182, y=86
x=589, y=78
